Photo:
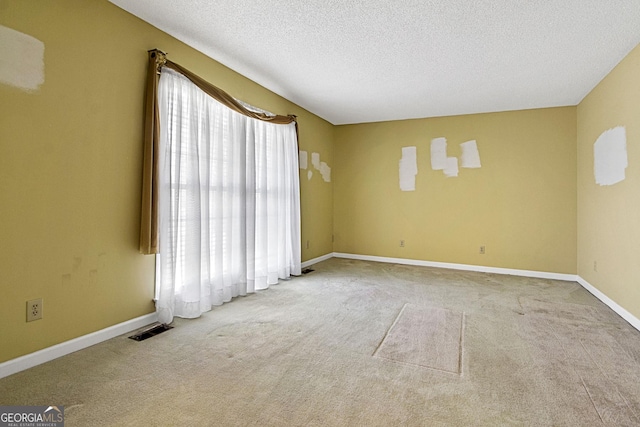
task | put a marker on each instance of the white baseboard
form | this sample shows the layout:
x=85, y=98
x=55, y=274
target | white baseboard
x=633, y=321
x=465, y=267
x=316, y=260
x=13, y=366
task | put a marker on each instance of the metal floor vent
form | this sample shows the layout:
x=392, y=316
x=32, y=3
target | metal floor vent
x=151, y=332
x=307, y=271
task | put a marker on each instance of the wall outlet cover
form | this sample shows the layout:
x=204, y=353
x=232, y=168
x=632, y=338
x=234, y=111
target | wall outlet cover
x=34, y=309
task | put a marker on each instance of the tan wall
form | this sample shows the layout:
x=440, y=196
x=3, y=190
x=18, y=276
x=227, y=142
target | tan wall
x=521, y=204
x=609, y=216
x=316, y=198
x=70, y=171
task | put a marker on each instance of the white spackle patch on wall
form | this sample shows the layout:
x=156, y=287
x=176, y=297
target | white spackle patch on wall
x=302, y=162
x=408, y=169
x=470, y=157
x=451, y=168
x=438, y=154
x=610, y=156
x=21, y=60
x=315, y=160
x=325, y=171
x=322, y=167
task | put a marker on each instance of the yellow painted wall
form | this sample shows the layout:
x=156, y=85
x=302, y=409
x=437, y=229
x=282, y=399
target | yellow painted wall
x=70, y=171
x=521, y=204
x=609, y=216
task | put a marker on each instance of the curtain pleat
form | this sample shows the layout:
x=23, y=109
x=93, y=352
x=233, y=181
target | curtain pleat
x=149, y=210
x=229, y=204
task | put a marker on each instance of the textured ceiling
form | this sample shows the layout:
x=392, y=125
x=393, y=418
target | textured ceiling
x=354, y=61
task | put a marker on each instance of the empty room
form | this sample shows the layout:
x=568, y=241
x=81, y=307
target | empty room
x=320, y=213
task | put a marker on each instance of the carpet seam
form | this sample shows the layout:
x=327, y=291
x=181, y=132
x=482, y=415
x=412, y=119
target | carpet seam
x=461, y=352
x=389, y=330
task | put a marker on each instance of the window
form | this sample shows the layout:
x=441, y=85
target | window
x=229, y=204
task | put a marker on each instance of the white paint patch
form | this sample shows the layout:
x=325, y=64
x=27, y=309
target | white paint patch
x=315, y=160
x=21, y=60
x=309, y=174
x=451, y=168
x=325, y=171
x=302, y=162
x=438, y=154
x=470, y=156
x=610, y=156
x=408, y=169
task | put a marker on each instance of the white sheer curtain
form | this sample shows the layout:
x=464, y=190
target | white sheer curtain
x=229, y=201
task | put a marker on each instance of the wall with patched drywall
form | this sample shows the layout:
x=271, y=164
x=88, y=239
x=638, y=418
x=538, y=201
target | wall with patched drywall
x=505, y=181
x=71, y=123
x=608, y=135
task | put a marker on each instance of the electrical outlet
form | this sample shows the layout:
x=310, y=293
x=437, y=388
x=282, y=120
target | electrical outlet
x=34, y=309
x=402, y=243
x=482, y=250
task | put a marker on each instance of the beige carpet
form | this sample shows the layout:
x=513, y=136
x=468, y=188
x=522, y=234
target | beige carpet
x=363, y=344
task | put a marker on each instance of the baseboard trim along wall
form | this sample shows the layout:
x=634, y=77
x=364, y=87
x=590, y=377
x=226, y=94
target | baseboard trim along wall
x=317, y=260
x=465, y=267
x=16, y=365
x=633, y=321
